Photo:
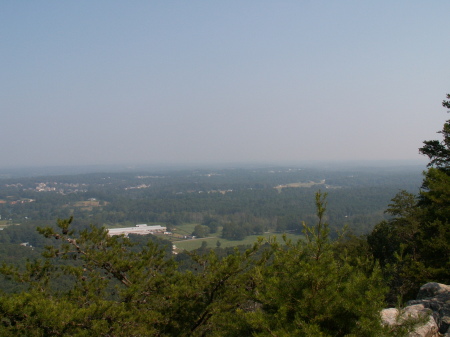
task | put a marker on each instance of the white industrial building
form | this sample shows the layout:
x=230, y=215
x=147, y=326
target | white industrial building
x=141, y=229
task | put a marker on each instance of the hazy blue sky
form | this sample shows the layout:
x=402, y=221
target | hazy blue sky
x=126, y=82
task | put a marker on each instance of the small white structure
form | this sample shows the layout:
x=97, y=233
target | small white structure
x=140, y=229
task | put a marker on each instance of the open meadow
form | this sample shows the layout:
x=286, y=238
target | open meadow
x=213, y=239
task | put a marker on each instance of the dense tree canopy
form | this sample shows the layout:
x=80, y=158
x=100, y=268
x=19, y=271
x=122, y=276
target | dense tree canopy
x=414, y=245
x=91, y=284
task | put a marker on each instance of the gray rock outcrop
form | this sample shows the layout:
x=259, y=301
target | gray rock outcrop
x=431, y=309
x=417, y=316
x=436, y=297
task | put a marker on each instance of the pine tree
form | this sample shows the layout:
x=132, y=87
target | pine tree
x=308, y=291
x=414, y=245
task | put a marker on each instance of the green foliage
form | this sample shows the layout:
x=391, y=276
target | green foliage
x=113, y=289
x=439, y=151
x=307, y=291
x=200, y=231
x=407, y=246
x=233, y=231
x=211, y=223
x=414, y=245
x=435, y=194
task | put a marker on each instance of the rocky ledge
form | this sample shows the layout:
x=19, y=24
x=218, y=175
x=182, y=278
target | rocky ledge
x=432, y=308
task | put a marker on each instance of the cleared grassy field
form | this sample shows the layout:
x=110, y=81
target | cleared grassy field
x=4, y=223
x=249, y=240
x=185, y=229
x=298, y=185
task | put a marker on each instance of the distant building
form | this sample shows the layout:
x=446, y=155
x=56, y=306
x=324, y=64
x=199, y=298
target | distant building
x=141, y=229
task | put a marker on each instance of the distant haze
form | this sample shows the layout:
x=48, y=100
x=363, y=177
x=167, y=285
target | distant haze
x=168, y=82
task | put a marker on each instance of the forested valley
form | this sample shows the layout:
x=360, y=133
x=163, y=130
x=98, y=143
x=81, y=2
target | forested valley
x=278, y=198
x=368, y=238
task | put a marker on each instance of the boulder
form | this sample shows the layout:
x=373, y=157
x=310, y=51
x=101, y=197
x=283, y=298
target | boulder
x=436, y=297
x=433, y=301
x=433, y=289
x=426, y=325
x=389, y=316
